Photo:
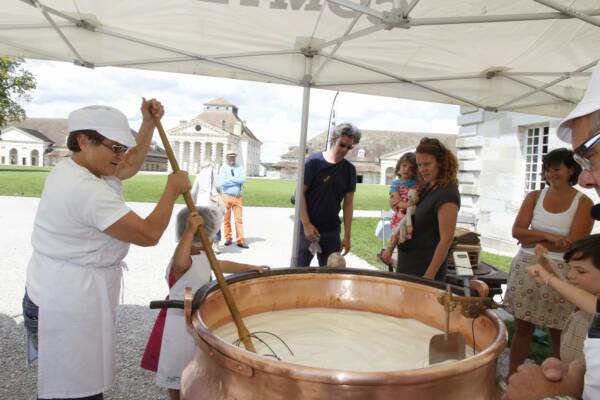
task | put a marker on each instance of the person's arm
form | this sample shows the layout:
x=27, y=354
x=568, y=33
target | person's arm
x=232, y=267
x=520, y=230
x=240, y=176
x=310, y=231
x=534, y=382
x=582, y=223
x=152, y=110
x=182, y=260
x=347, y=214
x=446, y=214
x=131, y=228
x=582, y=299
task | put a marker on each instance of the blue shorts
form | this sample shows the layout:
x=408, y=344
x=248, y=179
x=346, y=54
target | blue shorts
x=30, y=321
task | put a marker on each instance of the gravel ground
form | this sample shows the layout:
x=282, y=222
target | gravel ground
x=269, y=234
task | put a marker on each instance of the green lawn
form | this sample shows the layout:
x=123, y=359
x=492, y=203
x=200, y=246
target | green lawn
x=29, y=182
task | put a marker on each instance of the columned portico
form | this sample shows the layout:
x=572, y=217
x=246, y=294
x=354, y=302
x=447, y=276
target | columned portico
x=208, y=137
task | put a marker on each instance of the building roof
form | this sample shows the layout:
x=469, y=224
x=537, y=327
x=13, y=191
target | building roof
x=36, y=134
x=219, y=102
x=54, y=130
x=215, y=118
x=375, y=144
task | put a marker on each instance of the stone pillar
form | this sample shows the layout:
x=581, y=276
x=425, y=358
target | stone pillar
x=202, y=152
x=191, y=163
x=214, y=151
x=180, y=152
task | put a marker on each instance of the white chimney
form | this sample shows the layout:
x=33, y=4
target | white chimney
x=237, y=128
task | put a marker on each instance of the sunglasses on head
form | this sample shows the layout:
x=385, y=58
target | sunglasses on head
x=432, y=141
x=116, y=148
x=345, y=146
x=583, y=150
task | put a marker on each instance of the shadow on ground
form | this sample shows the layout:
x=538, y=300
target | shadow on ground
x=135, y=324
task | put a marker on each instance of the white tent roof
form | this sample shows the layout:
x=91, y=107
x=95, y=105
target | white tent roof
x=535, y=58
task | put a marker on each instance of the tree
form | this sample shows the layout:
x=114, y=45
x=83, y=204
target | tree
x=15, y=84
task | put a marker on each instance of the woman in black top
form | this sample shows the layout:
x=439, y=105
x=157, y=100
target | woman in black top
x=435, y=216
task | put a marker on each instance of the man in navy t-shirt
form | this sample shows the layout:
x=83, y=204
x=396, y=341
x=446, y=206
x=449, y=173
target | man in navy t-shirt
x=329, y=180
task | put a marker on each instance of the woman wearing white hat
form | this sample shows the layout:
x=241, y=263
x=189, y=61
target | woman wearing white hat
x=82, y=232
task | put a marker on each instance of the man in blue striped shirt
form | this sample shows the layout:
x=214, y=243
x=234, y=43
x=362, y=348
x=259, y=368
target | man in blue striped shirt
x=232, y=178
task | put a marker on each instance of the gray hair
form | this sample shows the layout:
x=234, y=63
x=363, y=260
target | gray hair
x=212, y=223
x=346, y=129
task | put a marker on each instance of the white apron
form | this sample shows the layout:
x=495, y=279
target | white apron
x=177, y=346
x=591, y=389
x=76, y=326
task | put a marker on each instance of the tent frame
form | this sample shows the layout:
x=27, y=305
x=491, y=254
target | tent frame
x=398, y=17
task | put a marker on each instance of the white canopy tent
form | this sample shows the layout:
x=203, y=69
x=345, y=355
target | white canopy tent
x=532, y=56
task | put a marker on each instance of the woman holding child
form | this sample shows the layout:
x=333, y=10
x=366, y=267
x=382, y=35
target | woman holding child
x=553, y=217
x=435, y=216
x=82, y=232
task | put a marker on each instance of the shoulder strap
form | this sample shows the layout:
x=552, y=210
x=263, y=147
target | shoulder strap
x=537, y=197
x=319, y=182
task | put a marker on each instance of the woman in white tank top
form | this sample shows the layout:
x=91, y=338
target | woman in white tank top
x=554, y=217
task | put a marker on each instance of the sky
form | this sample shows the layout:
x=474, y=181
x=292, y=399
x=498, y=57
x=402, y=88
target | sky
x=272, y=112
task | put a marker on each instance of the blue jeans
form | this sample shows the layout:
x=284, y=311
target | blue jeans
x=30, y=321
x=330, y=242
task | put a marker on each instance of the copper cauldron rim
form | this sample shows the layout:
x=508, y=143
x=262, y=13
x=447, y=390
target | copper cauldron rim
x=332, y=376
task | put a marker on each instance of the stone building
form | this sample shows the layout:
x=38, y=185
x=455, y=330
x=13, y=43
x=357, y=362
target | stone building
x=374, y=157
x=208, y=136
x=43, y=142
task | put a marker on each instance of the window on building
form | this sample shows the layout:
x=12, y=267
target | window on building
x=3, y=160
x=223, y=124
x=24, y=161
x=536, y=147
x=14, y=156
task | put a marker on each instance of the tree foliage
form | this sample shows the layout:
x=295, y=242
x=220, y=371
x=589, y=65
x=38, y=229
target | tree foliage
x=15, y=84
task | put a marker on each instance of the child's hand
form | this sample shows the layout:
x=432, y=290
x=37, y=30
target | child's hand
x=541, y=255
x=538, y=273
x=194, y=221
x=258, y=268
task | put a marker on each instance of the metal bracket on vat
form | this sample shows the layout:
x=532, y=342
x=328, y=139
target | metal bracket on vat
x=232, y=365
x=471, y=306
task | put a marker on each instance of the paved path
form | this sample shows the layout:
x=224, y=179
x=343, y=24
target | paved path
x=269, y=234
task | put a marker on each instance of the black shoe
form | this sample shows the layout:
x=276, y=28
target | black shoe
x=228, y=243
x=243, y=245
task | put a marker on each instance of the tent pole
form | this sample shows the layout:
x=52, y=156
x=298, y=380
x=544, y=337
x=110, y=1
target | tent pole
x=300, y=169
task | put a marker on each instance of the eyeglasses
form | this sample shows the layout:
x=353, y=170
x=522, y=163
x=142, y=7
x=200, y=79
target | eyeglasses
x=116, y=148
x=582, y=152
x=345, y=146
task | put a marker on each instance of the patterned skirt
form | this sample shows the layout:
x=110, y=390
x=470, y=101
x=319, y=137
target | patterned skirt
x=533, y=302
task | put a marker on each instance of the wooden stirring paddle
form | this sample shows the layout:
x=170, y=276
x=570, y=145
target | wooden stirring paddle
x=243, y=332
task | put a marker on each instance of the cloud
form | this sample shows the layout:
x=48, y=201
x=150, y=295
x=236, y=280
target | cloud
x=273, y=112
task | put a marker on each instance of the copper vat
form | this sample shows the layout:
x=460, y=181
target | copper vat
x=220, y=370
